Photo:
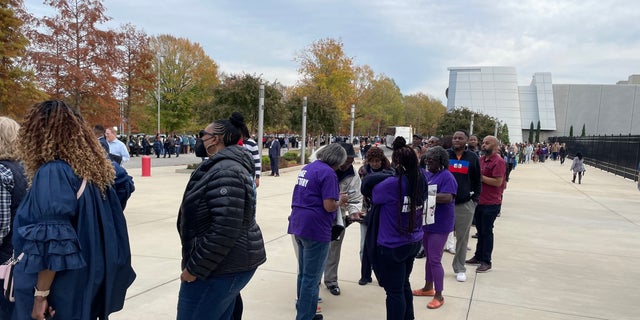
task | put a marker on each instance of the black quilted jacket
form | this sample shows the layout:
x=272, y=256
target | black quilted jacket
x=217, y=217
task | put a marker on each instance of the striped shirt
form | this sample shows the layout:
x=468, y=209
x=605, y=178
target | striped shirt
x=251, y=145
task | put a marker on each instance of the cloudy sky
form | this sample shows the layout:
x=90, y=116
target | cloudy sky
x=411, y=41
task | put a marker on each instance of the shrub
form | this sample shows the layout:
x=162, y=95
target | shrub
x=291, y=156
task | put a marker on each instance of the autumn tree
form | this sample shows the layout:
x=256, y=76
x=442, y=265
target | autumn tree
x=75, y=59
x=17, y=89
x=327, y=70
x=241, y=92
x=423, y=112
x=188, y=78
x=137, y=78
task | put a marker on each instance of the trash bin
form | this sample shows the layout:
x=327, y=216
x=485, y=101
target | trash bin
x=146, y=166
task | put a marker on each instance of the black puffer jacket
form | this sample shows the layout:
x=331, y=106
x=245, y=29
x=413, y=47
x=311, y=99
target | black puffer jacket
x=217, y=218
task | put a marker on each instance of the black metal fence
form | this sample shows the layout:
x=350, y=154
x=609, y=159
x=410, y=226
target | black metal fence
x=619, y=154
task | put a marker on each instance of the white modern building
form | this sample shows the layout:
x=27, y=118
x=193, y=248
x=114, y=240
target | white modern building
x=494, y=91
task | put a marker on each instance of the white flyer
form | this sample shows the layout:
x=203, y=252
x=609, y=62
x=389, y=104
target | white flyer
x=430, y=216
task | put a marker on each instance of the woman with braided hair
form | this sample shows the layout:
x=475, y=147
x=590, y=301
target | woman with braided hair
x=70, y=225
x=397, y=201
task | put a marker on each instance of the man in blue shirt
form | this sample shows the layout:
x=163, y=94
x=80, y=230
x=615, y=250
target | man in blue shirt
x=116, y=146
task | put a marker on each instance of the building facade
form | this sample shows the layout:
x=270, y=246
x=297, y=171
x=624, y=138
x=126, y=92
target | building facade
x=494, y=91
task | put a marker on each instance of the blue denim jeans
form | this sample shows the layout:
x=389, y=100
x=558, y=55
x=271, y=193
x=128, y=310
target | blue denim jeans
x=312, y=256
x=212, y=298
x=485, y=217
x=394, y=266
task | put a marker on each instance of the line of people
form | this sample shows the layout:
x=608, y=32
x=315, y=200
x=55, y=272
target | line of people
x=394, y=224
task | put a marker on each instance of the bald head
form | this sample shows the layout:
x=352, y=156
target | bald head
x=489, y=145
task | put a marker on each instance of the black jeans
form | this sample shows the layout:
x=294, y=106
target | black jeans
x=394, y=266
x=485, y=217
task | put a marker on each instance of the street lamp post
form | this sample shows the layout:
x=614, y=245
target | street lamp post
x=303, y=149
x=158, y=93
x=353, y=117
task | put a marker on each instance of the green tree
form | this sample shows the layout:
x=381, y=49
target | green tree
x=241, y=92
x=503, y=135
x=188, y=78
x=458, y=118
x=583, y=133
x=531, y=132
x=322, y=116
x=76, y=59
x=571, y=131
x=17, y=88
x=538, y=132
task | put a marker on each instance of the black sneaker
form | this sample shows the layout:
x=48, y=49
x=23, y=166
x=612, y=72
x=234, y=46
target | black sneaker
x=420, y=254
x=364, y=281
x=334, y=289
x=483, y=267
x=318, y=317
x=472, y=261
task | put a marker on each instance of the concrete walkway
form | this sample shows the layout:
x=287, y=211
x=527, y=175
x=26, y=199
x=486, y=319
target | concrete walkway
x=562, y=251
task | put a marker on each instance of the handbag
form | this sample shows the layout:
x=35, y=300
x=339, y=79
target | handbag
x=6, y=273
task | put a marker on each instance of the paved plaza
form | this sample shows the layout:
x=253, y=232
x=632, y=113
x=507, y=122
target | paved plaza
x=562, y=251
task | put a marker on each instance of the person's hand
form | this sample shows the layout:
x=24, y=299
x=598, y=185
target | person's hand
x=186, y=276
x=41, y=309
x=344, y=198
x=356, y=216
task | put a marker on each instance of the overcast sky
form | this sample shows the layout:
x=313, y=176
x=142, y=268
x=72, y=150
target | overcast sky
x=411, y=41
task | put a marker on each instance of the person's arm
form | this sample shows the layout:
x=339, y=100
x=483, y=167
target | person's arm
x=444, y=197
x=497, y=174
x=475, y=177
x=125, y=154
x=492, y=181
x=40, y=303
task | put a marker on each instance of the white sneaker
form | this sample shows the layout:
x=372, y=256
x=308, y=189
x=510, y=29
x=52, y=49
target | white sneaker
x=451, y=250
x=461, y=277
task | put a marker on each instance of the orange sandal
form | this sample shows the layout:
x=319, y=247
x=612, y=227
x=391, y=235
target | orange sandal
x=420, y=293
x=435, y=304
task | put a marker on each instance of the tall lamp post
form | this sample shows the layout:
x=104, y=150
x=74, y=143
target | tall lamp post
x=353, y=117
x=158, y=93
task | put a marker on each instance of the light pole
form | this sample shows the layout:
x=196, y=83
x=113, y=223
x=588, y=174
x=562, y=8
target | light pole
x=158, y=93
x=353, y=116
x=260, y=118
x=471, y=126
x=304, y=131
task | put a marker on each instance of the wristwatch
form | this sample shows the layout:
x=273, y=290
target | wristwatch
x=38, y=293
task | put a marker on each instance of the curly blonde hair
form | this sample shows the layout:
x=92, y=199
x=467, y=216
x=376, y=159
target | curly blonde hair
x=8, y=138
x=54, y=131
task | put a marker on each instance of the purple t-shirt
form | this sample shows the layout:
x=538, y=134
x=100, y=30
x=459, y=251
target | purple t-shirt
x=316, y=181
x=390, y=234
x=445, y=212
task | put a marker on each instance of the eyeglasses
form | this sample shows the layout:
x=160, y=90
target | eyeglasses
x=203, y=133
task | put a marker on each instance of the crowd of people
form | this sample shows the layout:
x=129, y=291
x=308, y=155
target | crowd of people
x=464, y=176
x=62, y=215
